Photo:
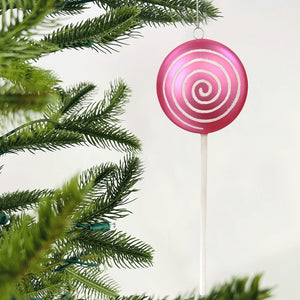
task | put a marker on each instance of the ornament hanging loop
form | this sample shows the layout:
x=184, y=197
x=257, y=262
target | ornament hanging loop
x=198, y=32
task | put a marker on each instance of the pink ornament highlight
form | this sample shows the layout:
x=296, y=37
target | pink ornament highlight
x=202, y=86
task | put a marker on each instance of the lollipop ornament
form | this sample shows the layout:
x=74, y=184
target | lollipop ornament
x=202, y=87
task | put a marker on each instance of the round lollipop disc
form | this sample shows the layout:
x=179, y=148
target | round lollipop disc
x=202, y=86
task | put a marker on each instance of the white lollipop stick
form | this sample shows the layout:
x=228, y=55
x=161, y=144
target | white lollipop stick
x=203, y=213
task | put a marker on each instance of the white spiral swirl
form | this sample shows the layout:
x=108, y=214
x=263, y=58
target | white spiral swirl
x=210, y=58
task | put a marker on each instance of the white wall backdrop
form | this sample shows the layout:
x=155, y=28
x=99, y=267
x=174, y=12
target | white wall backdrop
x=253, y=177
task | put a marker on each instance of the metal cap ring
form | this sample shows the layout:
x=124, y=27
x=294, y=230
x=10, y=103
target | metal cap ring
x=198, y=33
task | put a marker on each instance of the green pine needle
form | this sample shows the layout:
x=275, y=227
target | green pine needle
x=92, y=283
x=20, y=200
x=28, y=78
x=64, y=8
x=115, y=248
x=102, y=135
x=113, y=103
x=74, y=121
x=75, y=96
x=72, y=101
x=236, y=289
x=39, y=137
x=102, y=33
x=110, y=192
x=25, y=48
x=26, y=244
x=240, y=289
x=161, y=12
x=14, y=24
x=26, y=87
x=42, y=286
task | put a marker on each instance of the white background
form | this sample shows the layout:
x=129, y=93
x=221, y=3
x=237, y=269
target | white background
x=253, y=177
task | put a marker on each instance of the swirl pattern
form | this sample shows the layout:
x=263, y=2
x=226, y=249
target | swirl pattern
x=202, y=86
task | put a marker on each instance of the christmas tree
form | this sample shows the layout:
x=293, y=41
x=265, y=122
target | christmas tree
x=55, y=243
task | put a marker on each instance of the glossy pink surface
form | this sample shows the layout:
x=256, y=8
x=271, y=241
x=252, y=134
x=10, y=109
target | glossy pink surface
x=202, y=86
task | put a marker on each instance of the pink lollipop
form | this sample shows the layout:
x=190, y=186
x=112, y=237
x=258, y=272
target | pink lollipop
x=202, y=86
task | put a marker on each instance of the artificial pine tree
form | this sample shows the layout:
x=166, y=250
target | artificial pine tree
x=55, y=242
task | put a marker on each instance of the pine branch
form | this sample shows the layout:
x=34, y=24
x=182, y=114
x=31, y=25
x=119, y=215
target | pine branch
x=70, y=123
x=72, y=101
x=92, y=283
x=75, y=104
x=26, y=87
x=111, y=190
x=16, y=24
x=60, y=7
x=38, y=136
x=236, y=289
x=70, y=7
x=23, y=6
x=115, y=248
x=99, y=177
x=111, y=107
x=97, y=122
x=102, y=135
x=42, y=286
x=12, y=101
x=27, y=77
x=102, y=33
x=75, y=96
x=160, y=12
x=20, y=200
x=24, y=247
x=25, y=49
x=240, y=288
